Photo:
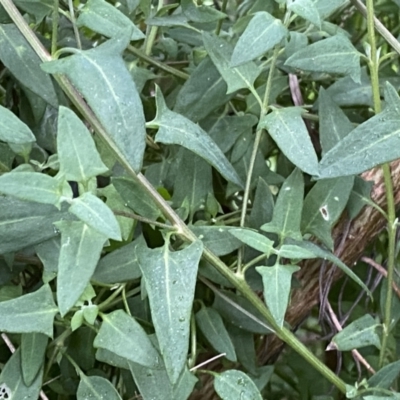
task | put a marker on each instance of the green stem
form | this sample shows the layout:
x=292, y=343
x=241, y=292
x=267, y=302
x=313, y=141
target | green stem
x=151, y=37
x=391, y=212
x=54, y=33
x=182, y=230
x=221, y=21
x=107, y=301
x=75, y=28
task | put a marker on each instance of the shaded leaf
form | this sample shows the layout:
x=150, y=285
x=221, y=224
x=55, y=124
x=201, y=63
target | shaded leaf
x=91, y=210
x=170, y=279
x=33, y=349
x=372, y=143
x=220, y=51
x=293, y=251
x=323, y=206
x=200, y=13
x=277, y=283
x=263, y=205
x=100, y=73
x=262, y=33
x=290, y=133
x=33, y=312
x=22, y=61
x=236, y=385
x=212, y=327
x=80, y=251
x=176, y=129
x=96, y=387
x=11, y=380
x=77, y=153
x=308, y=10
x=385, y=376
x=360, y=333
x=253, y=239
x=392, y=98
x=334, y=55
x=360, y=196
x=288, y=207
x=49, y=252
x=121, y=265
x=34, y=186
x=106, y=19
x=12, y=129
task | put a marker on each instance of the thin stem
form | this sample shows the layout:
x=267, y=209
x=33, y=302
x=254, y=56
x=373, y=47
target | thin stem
x=391, y=212
x=143, y=219
x=54, y=22
x=107, y=301
x=221, y=21
x=75, y=28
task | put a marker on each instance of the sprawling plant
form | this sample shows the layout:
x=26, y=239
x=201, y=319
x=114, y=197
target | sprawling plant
x=165, y=171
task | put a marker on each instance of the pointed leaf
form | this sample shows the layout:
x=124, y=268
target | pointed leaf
x=307, y=10
x=100, y=73
x=292, y=251
x=212, y=327
x=33, y=349
x=122, y=335
x=360, y=333
x=392, y=98
x=254, y=240
x=106, y=19
x=334, y=55
x=290, y=133
x=372, y=143
x=323, y=206
x=34, y=186
x=220, y=51
x=263, y=205
x=236, y=385
x=176, y=129
x=277, y=283
x=96, y=388
x=333, y=122
x=11, y=381
x=77, y=153
x=91, y=210
x=12, y=129
x=33, y=312
x=385, y=376
x=201, y=13
x=360, y=196
x=287, y=212
x=262, y=33
x=80, y=251
x=22, y=61
x=170, y=279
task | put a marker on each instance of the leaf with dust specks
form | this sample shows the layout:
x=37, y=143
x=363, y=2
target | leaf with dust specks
x=170, y=279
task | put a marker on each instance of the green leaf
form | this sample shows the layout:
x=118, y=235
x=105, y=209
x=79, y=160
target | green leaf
x=360, y=196
x=12, y=129
x=12, y=383
x=80, y=251
x=34, y=186
x=213, y=328
x=176, y=129
x=295, y=252
x=253, y=239
x=170, y=279
x=287, y=212
x=23, y=223
x=220, y=51
x=33, y=312
x=136, y=197
x=49, y=252
x=106, y=19
x=308, y=10
x=290, y=133
x=277, y=283
x=22, y=61
x=77, y=153
x=372, y=143
x=263, y=205
x=360, y=333
x=218, y=239
x=327, y=7
x=335, y=55
x=385, y=376
x=98, y=74
x=392, y=98
x=333, y=122
x=236, y=385
x=154, y=384
x=261, y=35
x=201, y=13
x=323, y=206
x=121, y=265
x=33, y=349
x=91, y=210
x=96, y=387
x=240, y=312
x=197, y=100
x=122, y=335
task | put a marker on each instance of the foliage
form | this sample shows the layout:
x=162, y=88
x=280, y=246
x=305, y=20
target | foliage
x=162, y=180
